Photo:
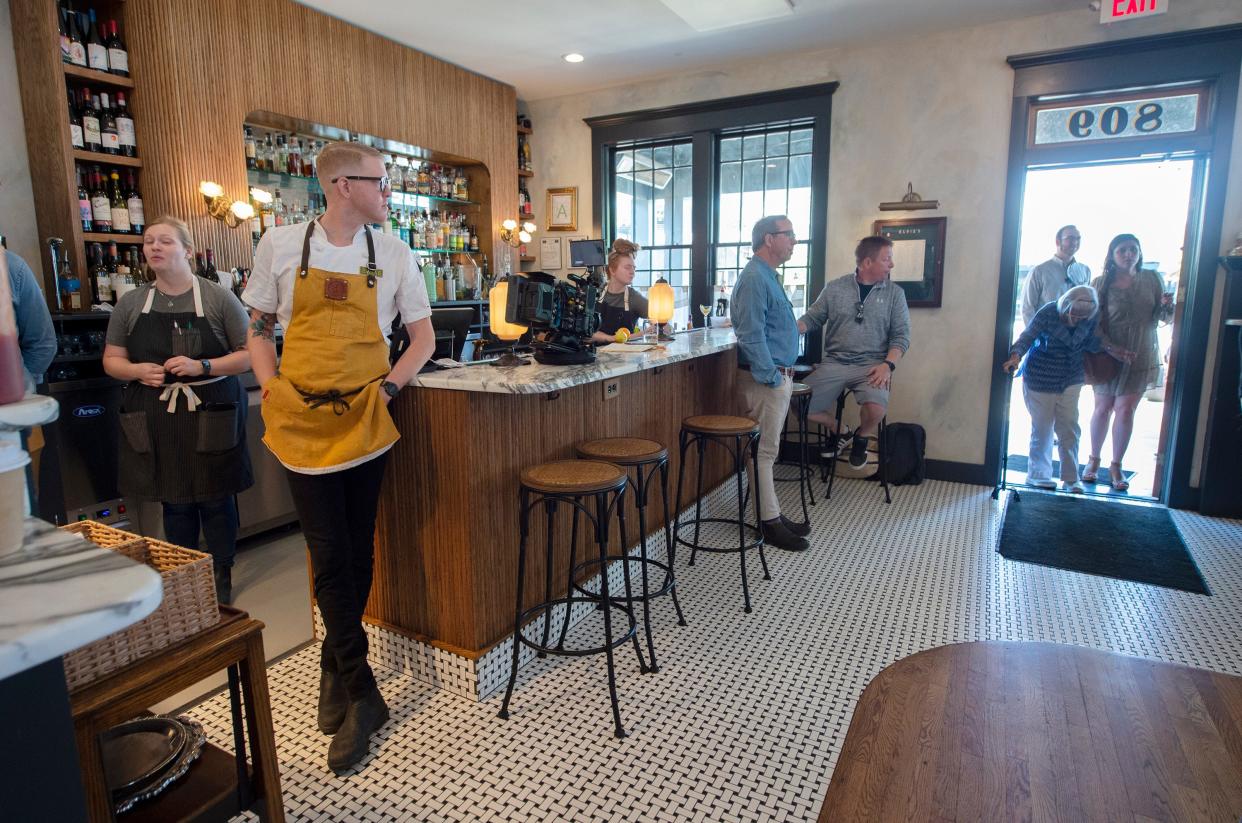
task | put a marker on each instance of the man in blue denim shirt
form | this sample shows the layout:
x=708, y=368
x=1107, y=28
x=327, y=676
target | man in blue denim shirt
x=767, y=343
x=35, y=335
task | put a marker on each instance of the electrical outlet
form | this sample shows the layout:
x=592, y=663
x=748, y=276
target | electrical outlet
x=611, y=389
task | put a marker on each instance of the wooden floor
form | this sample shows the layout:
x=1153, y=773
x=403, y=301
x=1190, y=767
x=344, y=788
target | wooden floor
x=1000, y=731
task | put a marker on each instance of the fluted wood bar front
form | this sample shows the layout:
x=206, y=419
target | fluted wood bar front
x=447, y=533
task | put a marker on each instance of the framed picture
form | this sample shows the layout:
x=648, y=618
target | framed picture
x=563, y=209
x=918, y=255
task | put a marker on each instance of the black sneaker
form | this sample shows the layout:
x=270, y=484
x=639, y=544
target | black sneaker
x=800, y=529
x=858, y=451
x=837, y=442
x=775, y=534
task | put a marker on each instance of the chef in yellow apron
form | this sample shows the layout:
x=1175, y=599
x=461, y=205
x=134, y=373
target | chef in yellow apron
x=335, y=287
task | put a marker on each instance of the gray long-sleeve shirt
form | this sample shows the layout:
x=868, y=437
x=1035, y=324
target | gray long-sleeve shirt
x=885, y=321
x=1048, y=281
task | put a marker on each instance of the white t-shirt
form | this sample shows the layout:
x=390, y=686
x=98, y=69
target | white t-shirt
x=401, y=289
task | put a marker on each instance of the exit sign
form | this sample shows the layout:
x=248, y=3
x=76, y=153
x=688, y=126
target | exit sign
x=1113, y=10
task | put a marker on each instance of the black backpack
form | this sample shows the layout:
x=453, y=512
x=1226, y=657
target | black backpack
x=904, y=446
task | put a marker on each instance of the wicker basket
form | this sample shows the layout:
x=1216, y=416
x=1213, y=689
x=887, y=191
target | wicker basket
x=188, y=607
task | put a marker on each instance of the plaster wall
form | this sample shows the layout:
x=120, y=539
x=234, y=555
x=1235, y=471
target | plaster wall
x=17, y=219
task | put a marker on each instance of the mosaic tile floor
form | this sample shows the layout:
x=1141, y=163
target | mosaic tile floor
x=748, y=714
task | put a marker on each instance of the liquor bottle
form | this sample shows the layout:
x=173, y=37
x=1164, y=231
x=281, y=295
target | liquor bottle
x=70, y=287
x=251, y=150
x=474, y=239
x=429, y=277
x=76, y=138
x=485, y=280
x=118, y=55
x=101, y=206
x=90, y=123
x=120, y=209
x=107, y=127
x=210, y=272
x=62, y=21
x=281, y=157
x=125, y=127
x=96, y=51
x=279, y=214
x=84, y=204
x=137, y=214
x=77, y=45
x=101, y=278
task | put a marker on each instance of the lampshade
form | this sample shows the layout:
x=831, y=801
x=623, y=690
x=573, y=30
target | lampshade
x=209, y=189
x=242, y=211
x=660, y=302
x=497, y=300
x=509, y=225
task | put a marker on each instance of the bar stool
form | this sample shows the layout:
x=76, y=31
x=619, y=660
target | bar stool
x=801, y=400
x=736, y=435
x=572, y=482
x=881, y=454
x=644, y=457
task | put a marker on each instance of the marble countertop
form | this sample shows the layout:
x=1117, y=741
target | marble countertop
x=538, y=379
x=59, y=592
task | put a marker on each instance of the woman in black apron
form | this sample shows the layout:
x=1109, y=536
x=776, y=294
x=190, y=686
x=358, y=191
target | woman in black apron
x=620, y=305
x=183, y=414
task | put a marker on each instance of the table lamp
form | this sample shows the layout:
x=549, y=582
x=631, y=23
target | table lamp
x=498, y=299
x=660, y=306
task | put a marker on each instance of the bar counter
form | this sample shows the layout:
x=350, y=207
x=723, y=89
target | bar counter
x=447, y=532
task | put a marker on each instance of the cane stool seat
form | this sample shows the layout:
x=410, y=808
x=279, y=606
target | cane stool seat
x=623, y=451
x=720, y=424
x=574, y=477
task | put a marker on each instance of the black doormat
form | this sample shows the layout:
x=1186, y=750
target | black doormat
x=1138, y=543
x=1018, y=463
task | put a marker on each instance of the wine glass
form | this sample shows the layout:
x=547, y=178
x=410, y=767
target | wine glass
x=706, y=311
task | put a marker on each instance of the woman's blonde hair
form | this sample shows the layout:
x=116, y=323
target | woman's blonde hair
x=621, y=248
x=179, y=227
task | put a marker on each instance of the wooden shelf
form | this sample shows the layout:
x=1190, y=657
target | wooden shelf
x=98, y=78
x=527, y=258
x=522, y=173
x=207, y=791
x=106, y=159
x=108, y=237
x=525, y=130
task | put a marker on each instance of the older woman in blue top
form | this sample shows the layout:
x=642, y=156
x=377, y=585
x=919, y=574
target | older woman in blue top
x=1054, y=343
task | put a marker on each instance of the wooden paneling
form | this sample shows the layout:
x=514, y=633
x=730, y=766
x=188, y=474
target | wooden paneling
x=446, y=557
x=1022, y=731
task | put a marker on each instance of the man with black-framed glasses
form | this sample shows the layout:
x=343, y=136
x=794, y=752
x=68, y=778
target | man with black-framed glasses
x=866, y=333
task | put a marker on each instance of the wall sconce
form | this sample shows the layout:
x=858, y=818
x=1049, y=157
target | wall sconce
x=910, y=201
x=660, y=306
x=498, y=300
x=231, y=213
x=510, y=233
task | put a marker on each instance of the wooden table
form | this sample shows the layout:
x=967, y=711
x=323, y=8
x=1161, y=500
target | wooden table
x=1000, y=731
x=210, y=787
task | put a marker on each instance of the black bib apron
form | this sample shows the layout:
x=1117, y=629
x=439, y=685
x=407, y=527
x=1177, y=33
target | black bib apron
x=612, y=318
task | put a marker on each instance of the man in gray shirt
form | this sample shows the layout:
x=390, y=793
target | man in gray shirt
x=1055, y=276
x=866, y=332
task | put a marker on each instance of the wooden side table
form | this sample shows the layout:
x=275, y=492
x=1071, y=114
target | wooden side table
x=218, y=785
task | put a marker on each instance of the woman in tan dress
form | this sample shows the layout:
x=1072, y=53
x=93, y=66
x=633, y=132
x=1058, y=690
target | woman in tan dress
x=1132, y=302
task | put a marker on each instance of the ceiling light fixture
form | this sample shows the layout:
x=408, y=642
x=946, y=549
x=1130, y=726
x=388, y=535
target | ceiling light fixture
x=573, y=57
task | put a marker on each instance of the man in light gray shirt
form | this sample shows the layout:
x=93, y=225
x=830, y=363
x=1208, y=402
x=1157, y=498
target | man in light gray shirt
x=866, y=333
x=1055, y=276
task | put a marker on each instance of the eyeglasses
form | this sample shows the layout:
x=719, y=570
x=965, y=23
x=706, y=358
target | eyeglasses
x=858, y=309
x=384, y=183
x=787, y=232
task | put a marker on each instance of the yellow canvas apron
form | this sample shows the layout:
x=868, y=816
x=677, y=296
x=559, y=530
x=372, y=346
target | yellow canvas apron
x=323, y=409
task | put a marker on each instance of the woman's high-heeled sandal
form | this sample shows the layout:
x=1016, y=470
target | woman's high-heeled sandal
x=1116, y=478
x=1092, y=473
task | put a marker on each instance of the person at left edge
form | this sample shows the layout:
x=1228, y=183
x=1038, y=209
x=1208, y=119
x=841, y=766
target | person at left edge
x=335, y=287
x=178, y=343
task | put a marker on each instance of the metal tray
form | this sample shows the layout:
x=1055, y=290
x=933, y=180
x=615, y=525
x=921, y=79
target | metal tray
x=174, y=771
x=136, y=751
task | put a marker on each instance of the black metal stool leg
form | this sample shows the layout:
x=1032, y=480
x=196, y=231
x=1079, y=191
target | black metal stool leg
x=524, y=530
x=640, y=502
x=671, y=543
x=754, y=461
x=601, y=538
x=549, y=505
x=569, y=584
x=803, y=434
x=739, y=468
x=881, y=447
x=683, y=441
x=800, y=413
x=836, y=454
x=625, y=576
x=701, y=442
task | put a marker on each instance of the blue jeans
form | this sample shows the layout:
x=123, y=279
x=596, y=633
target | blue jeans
x=218, y=519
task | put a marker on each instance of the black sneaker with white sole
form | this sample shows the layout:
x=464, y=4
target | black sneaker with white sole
x=858, y=451
x=837, y=442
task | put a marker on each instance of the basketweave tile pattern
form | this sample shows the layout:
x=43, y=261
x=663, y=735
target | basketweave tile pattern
x=748, y=714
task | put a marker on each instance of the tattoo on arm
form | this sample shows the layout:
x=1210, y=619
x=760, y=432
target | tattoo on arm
x=263, y=324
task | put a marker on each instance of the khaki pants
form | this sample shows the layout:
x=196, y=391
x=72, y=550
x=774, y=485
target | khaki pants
x=1053, y=412
x=769, y=406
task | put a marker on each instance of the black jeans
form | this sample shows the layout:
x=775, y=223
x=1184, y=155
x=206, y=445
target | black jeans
x=218, y=519
x=337, y=511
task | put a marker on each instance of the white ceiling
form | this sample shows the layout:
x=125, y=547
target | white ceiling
x=521, y=41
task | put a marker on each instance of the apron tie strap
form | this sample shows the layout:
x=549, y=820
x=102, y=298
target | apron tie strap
x=173, y=390
x=333, y=397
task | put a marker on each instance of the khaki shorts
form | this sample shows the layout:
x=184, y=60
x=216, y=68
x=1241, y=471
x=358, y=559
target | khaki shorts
x=830, y=379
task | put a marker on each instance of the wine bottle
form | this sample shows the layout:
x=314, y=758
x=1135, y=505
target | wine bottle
x=137, y=215
x=125, y=127
x=77, y=46
x=76, y=138
x=90, y=123
x=101, y=206
x=107, y=126
x=200, y=266
x=210, y=272
x=251, y=149
x=101, y=278
x=63, y=22
x=120, y=209
x=118, y=56
x=70, y=287
x=84, y=204
x=96, y=51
